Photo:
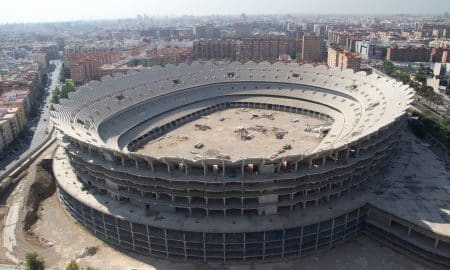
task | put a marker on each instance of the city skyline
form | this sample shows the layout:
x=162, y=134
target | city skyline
x=24, y=11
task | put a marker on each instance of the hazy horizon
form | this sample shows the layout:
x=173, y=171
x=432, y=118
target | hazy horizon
x=24, y=11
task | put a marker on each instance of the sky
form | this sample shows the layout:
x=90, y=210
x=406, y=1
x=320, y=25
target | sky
x=63, y=10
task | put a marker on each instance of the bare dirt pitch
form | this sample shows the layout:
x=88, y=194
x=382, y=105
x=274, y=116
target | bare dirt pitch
x=240, y=133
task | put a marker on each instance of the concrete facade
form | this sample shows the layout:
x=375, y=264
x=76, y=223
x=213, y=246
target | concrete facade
x=221, y=209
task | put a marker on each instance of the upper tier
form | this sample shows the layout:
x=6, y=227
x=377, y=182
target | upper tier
x=115, y=113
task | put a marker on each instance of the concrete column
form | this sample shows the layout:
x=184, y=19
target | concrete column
x=301, y=241
x=264, y=246
x=223, y=167
x=184, y=246
x=347, y=154
x=204, y=248
x=150, y=162
x=324, y=159
x=204, y=167
x=242, y=169
x=332, y=232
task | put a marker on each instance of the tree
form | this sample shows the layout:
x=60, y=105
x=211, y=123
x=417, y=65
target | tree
x=64, y=74
x=438, y=100
x=421, y=75
x=67, y=88
x=387, y=67
x=55, y=96
x=73, y=265
x=402, y=76
x=34, y=262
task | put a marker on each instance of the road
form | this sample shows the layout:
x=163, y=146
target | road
x=41, y=127
x=419, y=103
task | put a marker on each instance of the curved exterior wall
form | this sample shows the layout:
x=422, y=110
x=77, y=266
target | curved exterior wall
x=246, y=246
x=312, y=182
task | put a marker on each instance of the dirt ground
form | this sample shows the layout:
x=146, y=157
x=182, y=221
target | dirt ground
x=69, y=238
x=220, y=133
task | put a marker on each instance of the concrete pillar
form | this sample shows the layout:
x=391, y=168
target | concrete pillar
x=324, y=159
x=242, y=169
x=332, y=232
x=347, y=154
x=301, y=241
x=264, y=246
x=223, y=167
x=150, y=163
x=204, y=167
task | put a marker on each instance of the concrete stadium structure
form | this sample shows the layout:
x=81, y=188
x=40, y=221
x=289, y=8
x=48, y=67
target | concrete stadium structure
x=227, y=208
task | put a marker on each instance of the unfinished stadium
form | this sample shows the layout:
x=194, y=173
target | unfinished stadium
x=235, y=162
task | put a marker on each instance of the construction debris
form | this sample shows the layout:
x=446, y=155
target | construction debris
x=268, y=116
x=223, y=156
x=244, y=134
x=199, y=145
x=258, y=128
x=279, y=133
x=202, y=127
x=307, y=128
x=265, y=115
x=87, y=251
x=182, y=138
x=287, y=147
